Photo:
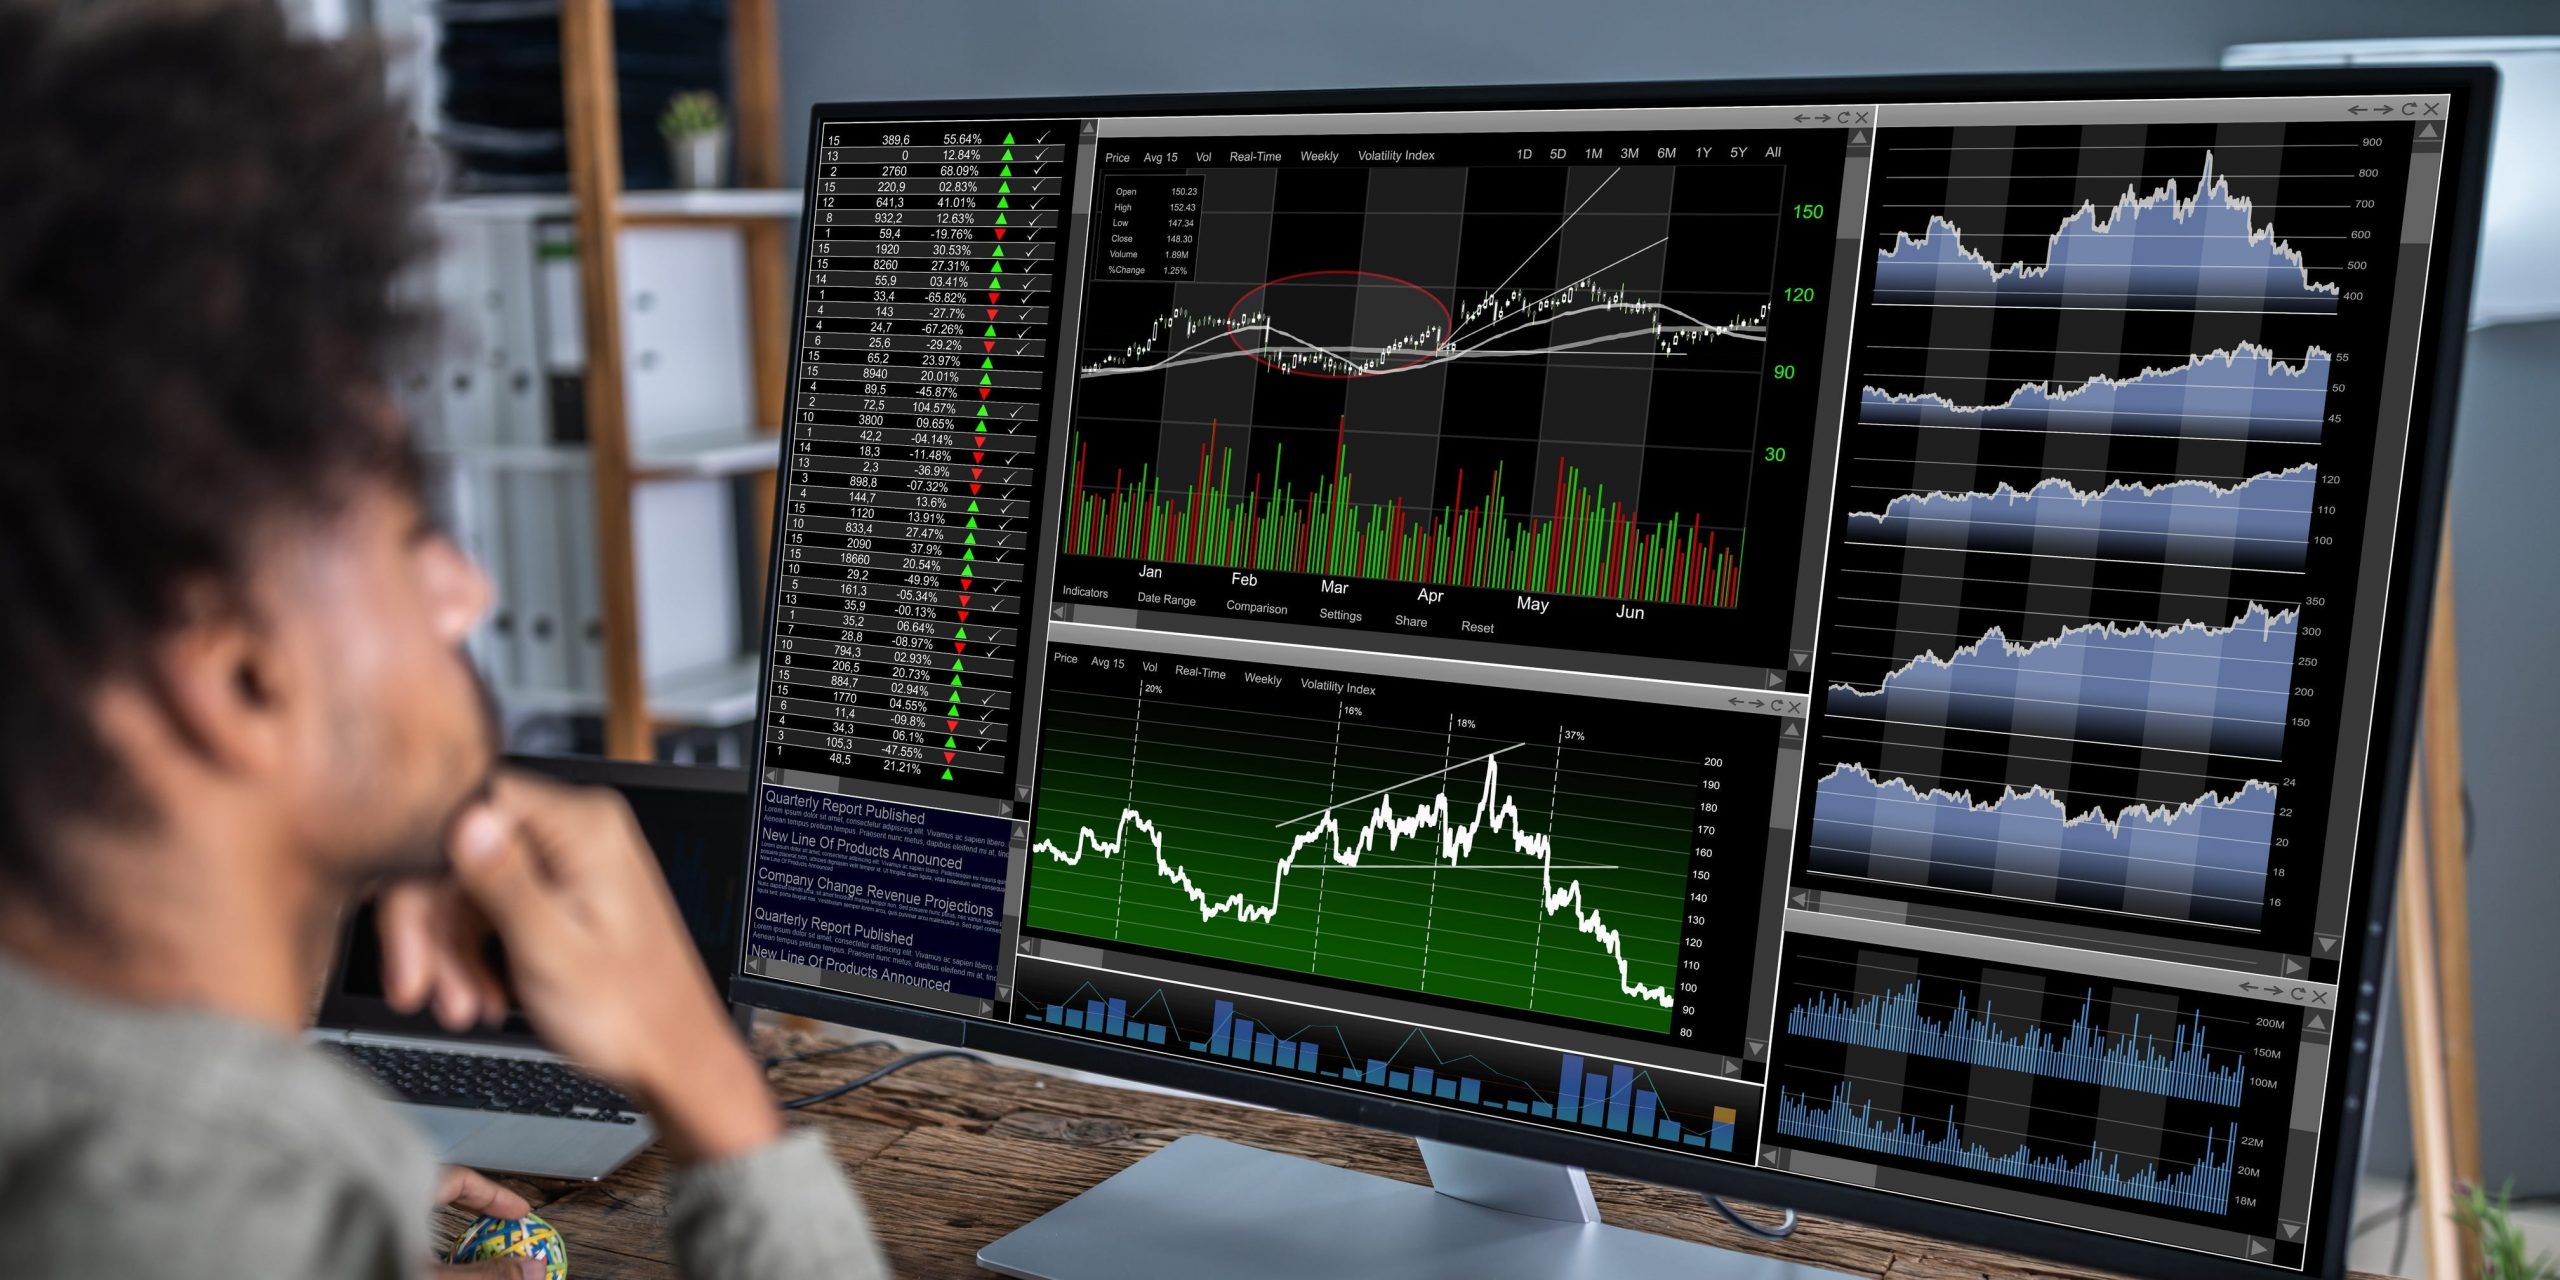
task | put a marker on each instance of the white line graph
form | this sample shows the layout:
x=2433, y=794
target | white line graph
x=1456, y=844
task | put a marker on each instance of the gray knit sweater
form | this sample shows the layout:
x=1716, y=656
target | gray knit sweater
x=158, y=1142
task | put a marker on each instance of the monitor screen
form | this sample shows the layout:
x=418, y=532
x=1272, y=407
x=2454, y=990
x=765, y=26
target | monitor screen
x=1840, y=642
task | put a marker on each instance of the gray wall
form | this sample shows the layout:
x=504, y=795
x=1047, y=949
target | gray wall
x=838, y=50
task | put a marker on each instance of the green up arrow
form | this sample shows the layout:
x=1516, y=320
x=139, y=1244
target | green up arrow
x=970, y=541
x=1008, y=140
x=961, y=634
x=1005, y=172
x=949, y=743
x=986, y=379
x=1003, y=189
x=946, y=775
x=1007, y=157
x=991, y=332
x=1004, y=204
x=988, y=362
x=973, y=509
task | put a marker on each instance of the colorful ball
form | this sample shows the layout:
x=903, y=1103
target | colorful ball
x=514, y=1238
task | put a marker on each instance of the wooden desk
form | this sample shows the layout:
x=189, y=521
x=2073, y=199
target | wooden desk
x=950, y=1155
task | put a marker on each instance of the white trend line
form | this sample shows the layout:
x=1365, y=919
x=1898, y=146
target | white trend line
x=1456, y=843
x=1542, y=245
x=1441, y=772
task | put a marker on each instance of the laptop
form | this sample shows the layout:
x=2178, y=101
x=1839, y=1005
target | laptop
x=495, y=1098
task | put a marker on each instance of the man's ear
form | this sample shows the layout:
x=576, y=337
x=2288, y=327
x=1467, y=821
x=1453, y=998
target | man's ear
x=225, y=685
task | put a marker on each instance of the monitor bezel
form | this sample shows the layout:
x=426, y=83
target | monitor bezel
x=2346, y=1110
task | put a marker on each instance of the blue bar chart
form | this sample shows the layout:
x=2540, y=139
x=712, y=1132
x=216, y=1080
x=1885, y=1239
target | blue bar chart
x=2082, y=1086
x=1635, y=1102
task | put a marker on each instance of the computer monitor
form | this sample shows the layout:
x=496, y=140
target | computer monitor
x=1846, y=643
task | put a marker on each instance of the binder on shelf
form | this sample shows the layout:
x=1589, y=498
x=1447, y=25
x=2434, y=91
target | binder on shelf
x=413, y=379
x=533, y=567
x=535, y=561
x=584, y=615
x=687, y=577
x=688, y=373
x=467, y=408
x=514, y=362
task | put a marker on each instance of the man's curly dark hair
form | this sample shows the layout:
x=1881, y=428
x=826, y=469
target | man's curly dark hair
x=201, y=220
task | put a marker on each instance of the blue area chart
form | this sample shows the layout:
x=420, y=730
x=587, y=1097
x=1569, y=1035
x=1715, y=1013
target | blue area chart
x=2204, y=860
x=2262, y=522
x=2160, y=250
x=2204, y=1186
x=2190, y=687
x=2242, y=392
x=2135, y=1060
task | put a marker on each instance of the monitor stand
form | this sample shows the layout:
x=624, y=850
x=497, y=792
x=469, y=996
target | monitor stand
x=1206, y=1207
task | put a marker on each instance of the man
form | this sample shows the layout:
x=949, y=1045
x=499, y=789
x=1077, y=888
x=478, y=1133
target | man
x=236, y=703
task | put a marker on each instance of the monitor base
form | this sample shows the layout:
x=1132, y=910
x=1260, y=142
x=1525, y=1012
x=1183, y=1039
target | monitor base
x=1203, y=1206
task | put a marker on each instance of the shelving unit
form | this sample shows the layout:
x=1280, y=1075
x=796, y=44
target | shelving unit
x=602, y=210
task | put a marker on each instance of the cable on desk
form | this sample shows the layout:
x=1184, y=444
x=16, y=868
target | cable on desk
x=1786, y=1226
x=877, y=1073
x=775, y=1060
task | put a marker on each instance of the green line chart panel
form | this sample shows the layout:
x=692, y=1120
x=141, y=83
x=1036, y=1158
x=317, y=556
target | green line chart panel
x=1521, y=850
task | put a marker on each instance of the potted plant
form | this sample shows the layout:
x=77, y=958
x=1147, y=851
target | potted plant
x=2503, y=1253
x=697, y=137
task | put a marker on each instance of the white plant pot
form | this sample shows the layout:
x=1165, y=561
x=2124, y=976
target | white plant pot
x=700, y=160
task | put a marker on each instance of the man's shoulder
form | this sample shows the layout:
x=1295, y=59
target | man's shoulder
x=172, y=1122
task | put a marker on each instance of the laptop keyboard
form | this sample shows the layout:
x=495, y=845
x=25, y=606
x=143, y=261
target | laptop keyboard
x=489, y=1082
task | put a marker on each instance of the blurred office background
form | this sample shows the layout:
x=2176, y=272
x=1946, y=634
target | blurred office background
x=504, y=411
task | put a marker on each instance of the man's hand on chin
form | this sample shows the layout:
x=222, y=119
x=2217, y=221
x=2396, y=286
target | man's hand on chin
x=435, y=954
x=598, y=956
x=472, y=1192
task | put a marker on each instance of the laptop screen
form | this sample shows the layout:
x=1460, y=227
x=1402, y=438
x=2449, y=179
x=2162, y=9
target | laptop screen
x=694, y=819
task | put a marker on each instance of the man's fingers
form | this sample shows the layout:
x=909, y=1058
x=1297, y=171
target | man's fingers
x=565, y=823
x=496, y=867
x=459, y=1003
x=405, y=919
x=474, y=1192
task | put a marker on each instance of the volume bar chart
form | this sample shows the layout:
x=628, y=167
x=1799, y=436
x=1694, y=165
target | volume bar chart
x=1588, y=544
x=2077, y=1085
x=1625, y=1100
x=2204, y=1185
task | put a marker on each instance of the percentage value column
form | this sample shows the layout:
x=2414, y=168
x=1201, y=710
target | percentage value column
x=915, y=447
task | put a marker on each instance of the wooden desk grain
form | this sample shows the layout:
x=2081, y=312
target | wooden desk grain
x=950, y=1155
